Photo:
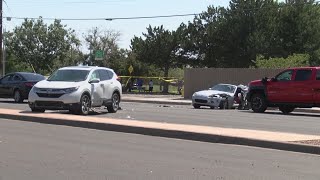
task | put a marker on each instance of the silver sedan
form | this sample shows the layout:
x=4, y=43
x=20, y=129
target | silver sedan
x=220, y=95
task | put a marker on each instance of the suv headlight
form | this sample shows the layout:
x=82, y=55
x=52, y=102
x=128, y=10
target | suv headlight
x=35, y=89
x=71, y=90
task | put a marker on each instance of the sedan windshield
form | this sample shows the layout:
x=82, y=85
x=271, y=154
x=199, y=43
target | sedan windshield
x=224, y=88
x=69, y=75
x=33, y=76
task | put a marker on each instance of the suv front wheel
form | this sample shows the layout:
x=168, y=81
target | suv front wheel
x=83, y=107
x=258, y=103
x=114, y=106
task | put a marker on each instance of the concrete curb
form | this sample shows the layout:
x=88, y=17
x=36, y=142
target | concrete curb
x=178, y=134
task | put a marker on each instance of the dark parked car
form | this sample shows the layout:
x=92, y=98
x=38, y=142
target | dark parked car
x=18, y=85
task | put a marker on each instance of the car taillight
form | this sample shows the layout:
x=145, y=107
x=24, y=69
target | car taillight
x=29, y=84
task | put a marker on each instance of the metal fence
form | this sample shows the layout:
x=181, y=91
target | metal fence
x=196, y=79
x=131, y=84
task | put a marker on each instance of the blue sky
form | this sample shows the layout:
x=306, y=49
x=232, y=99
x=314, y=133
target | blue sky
x=108, y=8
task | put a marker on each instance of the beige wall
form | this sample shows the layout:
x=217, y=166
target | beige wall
x=196, y=79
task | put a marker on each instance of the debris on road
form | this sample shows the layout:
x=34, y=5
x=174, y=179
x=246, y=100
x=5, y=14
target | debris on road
x=315, y=142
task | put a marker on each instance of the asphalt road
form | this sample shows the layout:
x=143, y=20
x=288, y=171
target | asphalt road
x=39, y=151
x=304, y=123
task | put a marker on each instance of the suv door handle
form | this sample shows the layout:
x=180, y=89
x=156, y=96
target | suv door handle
x=316, y=89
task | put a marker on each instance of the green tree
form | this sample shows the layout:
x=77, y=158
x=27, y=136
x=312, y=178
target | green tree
x=105, y=40
x=40, y=45
x=295, y=60
x=160, y=48
x=128, y=58
x=234, y=36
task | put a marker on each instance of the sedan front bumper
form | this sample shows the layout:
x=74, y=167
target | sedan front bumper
x=207, y=101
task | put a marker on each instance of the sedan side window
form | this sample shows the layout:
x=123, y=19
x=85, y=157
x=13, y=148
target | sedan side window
x=285, y=76
x=6, y=79
x=16, y=78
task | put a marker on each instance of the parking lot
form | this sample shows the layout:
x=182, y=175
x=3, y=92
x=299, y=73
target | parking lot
x=304, y=123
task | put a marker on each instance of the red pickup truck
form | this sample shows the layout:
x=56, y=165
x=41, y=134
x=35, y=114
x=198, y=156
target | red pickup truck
x=290, y=89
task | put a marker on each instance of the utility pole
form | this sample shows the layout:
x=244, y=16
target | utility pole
x=1, y=52
x=4, y=59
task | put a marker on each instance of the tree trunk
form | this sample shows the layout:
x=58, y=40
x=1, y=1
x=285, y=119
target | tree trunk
x=166, y=84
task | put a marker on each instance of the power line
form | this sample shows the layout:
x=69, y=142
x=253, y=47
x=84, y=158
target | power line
x=108, y=19
x=12, y=14
x=153, y=17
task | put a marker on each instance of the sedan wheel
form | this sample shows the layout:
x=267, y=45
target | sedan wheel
x=17, y=96
x=196, y=106
x=224, y=104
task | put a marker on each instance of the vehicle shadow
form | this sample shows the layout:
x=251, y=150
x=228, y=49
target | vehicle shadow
x=91, y=113
x=294, y=113
x=12, y=102
x=209, y=109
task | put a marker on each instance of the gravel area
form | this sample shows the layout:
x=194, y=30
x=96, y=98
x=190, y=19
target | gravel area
x=315, y=142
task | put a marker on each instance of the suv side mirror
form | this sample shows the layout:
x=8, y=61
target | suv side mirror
x=95, y=80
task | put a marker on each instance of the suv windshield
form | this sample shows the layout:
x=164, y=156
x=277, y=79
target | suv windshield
x=224, y=87
x=69, y=75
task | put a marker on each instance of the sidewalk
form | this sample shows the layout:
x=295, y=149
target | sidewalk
x=265, y=139
x=179, y=100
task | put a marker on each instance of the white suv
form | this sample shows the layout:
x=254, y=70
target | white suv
x=77, y=89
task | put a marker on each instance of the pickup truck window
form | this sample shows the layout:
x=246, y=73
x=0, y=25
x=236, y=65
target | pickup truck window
x=303, y=74
x=318, y=75
x=285, y=76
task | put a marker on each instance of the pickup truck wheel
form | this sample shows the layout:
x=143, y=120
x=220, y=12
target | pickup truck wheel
x=258, y=103
x=286, y=109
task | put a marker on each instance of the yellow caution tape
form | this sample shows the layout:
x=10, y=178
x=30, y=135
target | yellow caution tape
x=165, y=79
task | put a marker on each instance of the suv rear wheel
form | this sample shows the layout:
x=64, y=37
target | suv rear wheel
x=286, y=109
x=258, y=103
